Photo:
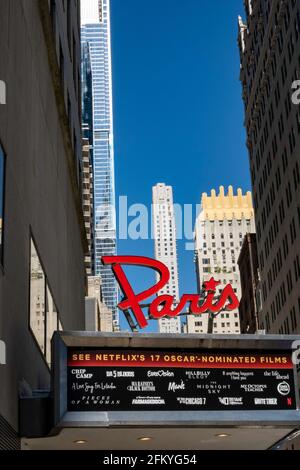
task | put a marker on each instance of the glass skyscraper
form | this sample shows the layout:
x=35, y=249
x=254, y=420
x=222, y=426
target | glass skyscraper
x=98, y=127
x=87, y=93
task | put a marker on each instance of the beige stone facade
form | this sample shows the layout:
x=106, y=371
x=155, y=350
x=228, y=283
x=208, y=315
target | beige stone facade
x=224, y=220
x=98, y=317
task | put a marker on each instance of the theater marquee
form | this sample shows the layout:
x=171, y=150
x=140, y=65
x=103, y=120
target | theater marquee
x=141, y=380
x=134, y=380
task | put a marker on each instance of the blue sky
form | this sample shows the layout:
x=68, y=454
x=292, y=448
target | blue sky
x=178, y=112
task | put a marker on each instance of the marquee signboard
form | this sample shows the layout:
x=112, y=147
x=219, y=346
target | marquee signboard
x=128, y=380
x=152, y=380
x=163, y=305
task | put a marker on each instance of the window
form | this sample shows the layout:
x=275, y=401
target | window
x=62, y=66
x=293, y=318
x=69, y=25
x=51, y=322
x=37, y=298
x=2, y=189
x=69, y=110
x=43, y=315
x=53, y=13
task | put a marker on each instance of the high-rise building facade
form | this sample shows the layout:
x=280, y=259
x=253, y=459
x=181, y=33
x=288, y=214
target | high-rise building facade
x=269, y=42
x=164, y=231
x=220, y=228
x=96, y=47
x=97, y=316
x=250, y=302
x=42, y=275
x=87, y=94
x=87, y=204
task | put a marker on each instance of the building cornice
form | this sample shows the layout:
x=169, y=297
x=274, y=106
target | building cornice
x=226, y=206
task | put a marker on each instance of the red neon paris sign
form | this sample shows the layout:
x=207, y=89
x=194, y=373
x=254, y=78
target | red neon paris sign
x=163, y=305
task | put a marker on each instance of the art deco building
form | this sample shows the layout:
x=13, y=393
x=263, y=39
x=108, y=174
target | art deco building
x=269, y=41
x=220, y=228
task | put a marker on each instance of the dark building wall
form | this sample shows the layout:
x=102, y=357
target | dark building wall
x=270, y=63
x=248, y=266
x=42, y=194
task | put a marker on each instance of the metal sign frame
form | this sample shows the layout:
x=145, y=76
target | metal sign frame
x=234, y=418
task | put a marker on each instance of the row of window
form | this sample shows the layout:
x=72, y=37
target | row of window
x=214, y=252
x=227, y=222
x=274, y=227
x=222, y=315
x=2, y=192
x=280, y=297
x=228, y=324
x=224, y=269
x=263, y=182
x=229, y=331
x=282, y=20
x=281, y=254
x=221, y=237
x=44, y=318
x=213, y=237
x=270, y=185
x=290, y=323
x=208, y=260
x=258, y=109
x=218, y=269
x=255, y=128
x=72, y=48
